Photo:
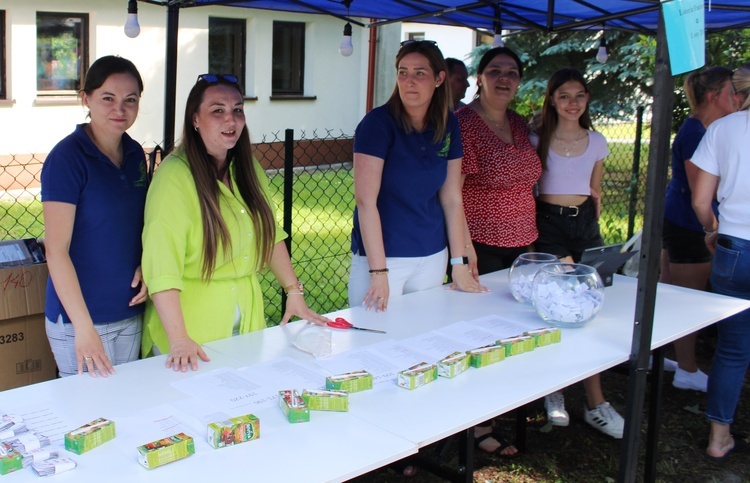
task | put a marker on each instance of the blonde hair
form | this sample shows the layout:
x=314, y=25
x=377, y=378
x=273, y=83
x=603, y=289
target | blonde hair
x=741, y=81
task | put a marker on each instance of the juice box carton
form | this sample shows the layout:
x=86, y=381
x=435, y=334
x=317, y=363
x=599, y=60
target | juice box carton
x=517, y=345
x=350, y=381
x=486, y=355
x=294, y=407
x=545, y=336
x=418, y=375
x=10, y=459
x=90, y=435
x=165, y=450
x=334, y=400
x=453, y=364
x=233, y=431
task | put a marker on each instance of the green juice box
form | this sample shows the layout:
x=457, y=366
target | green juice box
x=90, y=435
x=334, y=400
x=486, y=355
x=417, y=376
x=294, y=407
x=545, y=336
x=10, y=459
x=233, y=431
x=165, y=450
x=350, y=381
x=517, y=345
x=453, y=364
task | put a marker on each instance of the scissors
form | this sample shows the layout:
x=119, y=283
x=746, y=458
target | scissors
x=342, y=323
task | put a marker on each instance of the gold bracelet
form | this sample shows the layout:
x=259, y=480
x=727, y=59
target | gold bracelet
x=295, y=286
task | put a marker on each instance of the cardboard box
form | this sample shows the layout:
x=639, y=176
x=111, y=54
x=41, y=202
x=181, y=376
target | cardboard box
x=25, y=356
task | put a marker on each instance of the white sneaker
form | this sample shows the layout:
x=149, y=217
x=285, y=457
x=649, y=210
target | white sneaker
x=696, y=381
x=669, y=364
x=605, y=419
x=555, y=406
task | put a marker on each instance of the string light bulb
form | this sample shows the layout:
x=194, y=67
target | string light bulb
x=132, y=28
x=601, y=54
x=346, y=48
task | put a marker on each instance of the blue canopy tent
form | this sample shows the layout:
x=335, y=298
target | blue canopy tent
x=642, y=16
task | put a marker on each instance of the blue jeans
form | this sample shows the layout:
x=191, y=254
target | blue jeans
x=730, y=275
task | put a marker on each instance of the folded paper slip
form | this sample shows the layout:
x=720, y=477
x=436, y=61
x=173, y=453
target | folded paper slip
x=53, y=466
x=10, y=459
x=334, y=400
x=90, y=435
x=350, y=381
x=545, y=336
x=486, y=355
x=165, y=450
x=517, y=345
x=233, y=431
x=417, y=376
x=294, y=407
x=453, y=365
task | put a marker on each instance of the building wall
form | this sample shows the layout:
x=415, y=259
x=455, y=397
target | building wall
x=32, y=125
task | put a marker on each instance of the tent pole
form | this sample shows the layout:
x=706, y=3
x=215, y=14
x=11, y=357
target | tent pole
x=170, y=79
x=648, y=268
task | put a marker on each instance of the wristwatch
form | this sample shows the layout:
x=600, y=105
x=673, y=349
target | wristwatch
x=460, y=261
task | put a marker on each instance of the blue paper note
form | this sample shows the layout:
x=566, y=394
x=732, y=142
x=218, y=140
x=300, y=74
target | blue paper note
x=686, y=34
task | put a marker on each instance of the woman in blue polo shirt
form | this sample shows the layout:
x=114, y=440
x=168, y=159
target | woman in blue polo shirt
x=407, y=186
x=93, y=193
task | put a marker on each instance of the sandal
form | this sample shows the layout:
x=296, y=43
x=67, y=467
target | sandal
x=739, y=447
x=404, y=468
x=504, y=444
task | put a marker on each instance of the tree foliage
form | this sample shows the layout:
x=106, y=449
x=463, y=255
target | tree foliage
x=618, y=86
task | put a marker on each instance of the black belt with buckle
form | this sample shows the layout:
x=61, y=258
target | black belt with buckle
x=571, y=211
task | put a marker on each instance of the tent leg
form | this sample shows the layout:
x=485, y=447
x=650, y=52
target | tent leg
x=648, y=269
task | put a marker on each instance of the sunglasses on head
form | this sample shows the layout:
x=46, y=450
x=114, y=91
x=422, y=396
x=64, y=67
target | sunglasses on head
x=410, y=42
x=214, y=78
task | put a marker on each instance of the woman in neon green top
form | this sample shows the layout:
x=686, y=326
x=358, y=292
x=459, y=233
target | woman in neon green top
x=209, y=227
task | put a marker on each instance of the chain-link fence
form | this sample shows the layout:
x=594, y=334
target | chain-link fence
x=312, y=185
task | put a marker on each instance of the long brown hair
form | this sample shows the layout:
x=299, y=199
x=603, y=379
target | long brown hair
x=205, y=173
x=549, y=113
x=437, y=112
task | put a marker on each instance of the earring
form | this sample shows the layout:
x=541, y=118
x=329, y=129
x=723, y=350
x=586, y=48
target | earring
x=196, y=128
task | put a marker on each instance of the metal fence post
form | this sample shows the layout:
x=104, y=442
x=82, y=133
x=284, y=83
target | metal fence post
x=635, y=173
x=288, y=185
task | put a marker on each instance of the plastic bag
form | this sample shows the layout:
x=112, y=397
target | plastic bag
x=315, y=340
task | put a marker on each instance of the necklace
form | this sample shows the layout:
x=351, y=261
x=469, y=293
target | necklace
x=495, y=123
x=569, y=148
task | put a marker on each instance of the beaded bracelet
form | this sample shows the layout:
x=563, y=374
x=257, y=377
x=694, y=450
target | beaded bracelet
x=380, y=271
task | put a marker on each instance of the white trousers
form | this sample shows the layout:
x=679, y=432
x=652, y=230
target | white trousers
x=405, y=275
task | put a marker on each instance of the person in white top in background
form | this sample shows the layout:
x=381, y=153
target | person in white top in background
x=723, y=162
